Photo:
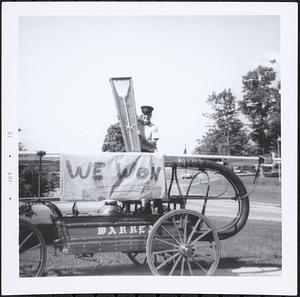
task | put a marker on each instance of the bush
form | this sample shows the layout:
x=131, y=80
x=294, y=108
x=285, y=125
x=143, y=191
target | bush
x=28, y=180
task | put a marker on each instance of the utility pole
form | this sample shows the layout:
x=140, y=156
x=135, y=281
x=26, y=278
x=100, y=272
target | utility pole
x=273, y=61
x=279, y=162
x=228, y=143
x=185, y=151
x=186, y=145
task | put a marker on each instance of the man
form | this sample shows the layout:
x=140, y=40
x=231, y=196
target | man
x=148, y=131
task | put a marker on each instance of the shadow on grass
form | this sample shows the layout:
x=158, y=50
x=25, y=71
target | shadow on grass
x=226, y=268
x=101, y=270
x=236, y=262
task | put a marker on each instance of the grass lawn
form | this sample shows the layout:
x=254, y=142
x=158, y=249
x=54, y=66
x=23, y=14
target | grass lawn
x=267, y=190
x=258, y=244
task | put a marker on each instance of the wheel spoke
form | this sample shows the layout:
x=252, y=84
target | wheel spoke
x=175, y=264
x=23, y=242
x=194, y=229
x=185, y=228
x=187, y=248
x=170, y=234
x=182, y=266
x=32, y=250
x=199, y=265
x=189, y=266
x=211, y=245
x=205, y=257
x=165, y=251
x=201, y=236
x=34, y=247
x=167, y=261
x=166, y=242
x=176, y=227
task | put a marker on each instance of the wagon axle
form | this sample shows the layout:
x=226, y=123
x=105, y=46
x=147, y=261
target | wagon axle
x=186, y=250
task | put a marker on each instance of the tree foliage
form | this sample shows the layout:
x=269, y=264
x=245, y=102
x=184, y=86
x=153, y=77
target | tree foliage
x=113, y=141
x=28, y=178
x=226, y=135
x=261, y=105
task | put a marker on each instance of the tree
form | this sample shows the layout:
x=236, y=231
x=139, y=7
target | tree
x=261, y=105
x=28, y=178
x=113, y=141
x=226, y=135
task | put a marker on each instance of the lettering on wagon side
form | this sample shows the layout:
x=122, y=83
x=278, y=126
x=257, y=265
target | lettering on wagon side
x=121, y=230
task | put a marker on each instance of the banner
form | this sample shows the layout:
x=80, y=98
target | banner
x=112, y=176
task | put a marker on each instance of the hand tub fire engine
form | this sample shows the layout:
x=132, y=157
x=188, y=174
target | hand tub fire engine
x=174, y=235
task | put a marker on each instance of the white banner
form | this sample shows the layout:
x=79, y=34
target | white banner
x=112, y=176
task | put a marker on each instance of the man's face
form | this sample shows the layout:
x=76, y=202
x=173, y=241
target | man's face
x=146, y=118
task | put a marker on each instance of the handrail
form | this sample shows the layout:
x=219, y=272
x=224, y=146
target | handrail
x=170, y=160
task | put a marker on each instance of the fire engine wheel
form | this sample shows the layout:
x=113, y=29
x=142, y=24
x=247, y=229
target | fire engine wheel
x=227, y=206
x=183, y=242
x=32, y=250
x=137, y=258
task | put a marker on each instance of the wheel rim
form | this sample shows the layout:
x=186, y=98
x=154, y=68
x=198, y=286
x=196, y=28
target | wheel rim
x=32, y=250
x=183, y=242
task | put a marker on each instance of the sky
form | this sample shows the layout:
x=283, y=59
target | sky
x=176, y=62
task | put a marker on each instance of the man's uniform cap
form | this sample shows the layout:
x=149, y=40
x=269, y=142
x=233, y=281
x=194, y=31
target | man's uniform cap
x=146, y=109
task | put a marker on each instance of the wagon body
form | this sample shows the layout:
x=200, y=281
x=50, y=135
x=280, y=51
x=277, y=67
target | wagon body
x=175, y=238
x=94, y=234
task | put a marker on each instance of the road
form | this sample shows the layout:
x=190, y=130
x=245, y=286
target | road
x=258, y=211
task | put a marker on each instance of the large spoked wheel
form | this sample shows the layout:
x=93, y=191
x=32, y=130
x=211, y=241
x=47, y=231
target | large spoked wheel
x=183, y=242
x=227, y=206
x=32, y=250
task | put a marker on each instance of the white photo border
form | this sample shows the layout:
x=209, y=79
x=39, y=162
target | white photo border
x=286, y=284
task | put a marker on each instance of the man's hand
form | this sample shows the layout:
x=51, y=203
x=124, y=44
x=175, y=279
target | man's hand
x=149, y=144
x=139, y=120
x=153, y=143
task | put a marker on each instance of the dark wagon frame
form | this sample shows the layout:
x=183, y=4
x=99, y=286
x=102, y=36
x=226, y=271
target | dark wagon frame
x=171, y=238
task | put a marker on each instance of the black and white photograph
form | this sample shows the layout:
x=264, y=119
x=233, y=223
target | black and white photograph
x=150, y=145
